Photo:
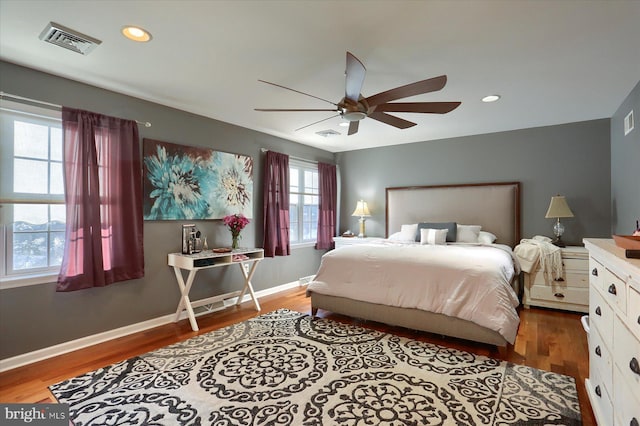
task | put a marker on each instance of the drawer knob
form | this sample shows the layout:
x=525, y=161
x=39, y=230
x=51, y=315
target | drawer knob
x=560, y=295
x=594, y=272
x=634, y=366
x=633, y=422
x=599, y=311
x=598, y=351
x=612, y=289
x=598, y=391
x=559, y=279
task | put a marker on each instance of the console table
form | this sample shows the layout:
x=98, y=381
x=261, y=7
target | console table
x=246, y=259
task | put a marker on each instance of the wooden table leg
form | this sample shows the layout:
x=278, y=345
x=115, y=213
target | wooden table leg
x=247, y=283
x=185, y=302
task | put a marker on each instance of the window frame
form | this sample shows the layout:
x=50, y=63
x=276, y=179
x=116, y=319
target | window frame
x=302, y=166
x=12, y=111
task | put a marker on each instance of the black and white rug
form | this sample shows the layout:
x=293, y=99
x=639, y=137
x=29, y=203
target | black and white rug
x=285, y=368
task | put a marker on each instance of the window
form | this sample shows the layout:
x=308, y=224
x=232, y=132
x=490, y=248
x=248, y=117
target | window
x=303, y=201
x=31, y=191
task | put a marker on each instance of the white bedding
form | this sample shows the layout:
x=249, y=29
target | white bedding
x=468, y=281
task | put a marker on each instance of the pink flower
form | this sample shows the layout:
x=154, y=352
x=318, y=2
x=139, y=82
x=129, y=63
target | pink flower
x=235, y=222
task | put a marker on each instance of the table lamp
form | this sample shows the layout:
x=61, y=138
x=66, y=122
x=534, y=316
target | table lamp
x=558, y=208
x=363, y=211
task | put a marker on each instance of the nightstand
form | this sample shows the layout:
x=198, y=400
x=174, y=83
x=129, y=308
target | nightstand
x=348, y=241
x=570, y=293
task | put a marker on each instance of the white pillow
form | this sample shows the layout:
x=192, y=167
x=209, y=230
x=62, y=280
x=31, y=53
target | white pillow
x=486, y=237
x=433, y=236
x=407, y=233
x=395, y=237
x=468, y=233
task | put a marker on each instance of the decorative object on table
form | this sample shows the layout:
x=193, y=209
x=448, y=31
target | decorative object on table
x=235, y=223
x=361, y=210
x=285, y=367
x=221, y=250
x=183, y=182
x=630, y=244
x=190, y=237
x=558, y=208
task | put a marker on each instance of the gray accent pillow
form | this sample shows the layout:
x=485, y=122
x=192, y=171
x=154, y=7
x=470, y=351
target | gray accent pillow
x=452, y=229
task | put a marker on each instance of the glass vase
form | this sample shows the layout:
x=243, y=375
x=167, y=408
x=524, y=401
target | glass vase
x=234, y=241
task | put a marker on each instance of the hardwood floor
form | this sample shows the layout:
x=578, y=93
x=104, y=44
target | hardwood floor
x=548, y=340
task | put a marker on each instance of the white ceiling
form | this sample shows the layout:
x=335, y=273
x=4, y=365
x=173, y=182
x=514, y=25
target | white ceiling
x=552, y=62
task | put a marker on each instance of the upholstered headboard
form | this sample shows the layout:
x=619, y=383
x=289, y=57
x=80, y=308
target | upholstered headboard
x=495, y=206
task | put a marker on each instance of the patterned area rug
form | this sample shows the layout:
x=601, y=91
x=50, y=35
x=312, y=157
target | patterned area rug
x=285, y=368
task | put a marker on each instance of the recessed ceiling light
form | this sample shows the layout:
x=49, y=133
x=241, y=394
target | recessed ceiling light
x=343, y=124
x=136, y=33
x=491, y=98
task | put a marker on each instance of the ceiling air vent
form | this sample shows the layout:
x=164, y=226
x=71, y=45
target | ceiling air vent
x=68, y=38
x=327, y=133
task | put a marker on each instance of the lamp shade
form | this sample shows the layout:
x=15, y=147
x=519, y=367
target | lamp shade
x=361, y=209
x=558, y=207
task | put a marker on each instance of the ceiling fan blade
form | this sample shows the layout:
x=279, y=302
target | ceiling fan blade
x=293, y=110
x=423, y=107
x=297, y=91
x=353, y=128
x=354, y=78
x=425, y=86
x=316, y=122
x=391, y=120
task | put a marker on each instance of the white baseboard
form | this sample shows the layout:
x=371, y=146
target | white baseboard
x=83, y=342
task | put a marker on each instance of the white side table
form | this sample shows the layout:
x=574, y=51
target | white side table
x=347, y=241
x=570, y=292
x=246, y=259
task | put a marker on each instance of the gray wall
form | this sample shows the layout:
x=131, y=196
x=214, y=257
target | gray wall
x=36, y=316
x=625, y=167
x=571, y=159
x=575, y=160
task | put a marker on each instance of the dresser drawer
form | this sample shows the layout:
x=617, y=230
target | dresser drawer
x=600, y=359
x=600, y=400
x=633, y=316
x=601, y=316
x=596, y=273
x=573, y=264
x=627, y=401
x=557, y=292
x=569, y=279
x=615, y=290
x=627, y=354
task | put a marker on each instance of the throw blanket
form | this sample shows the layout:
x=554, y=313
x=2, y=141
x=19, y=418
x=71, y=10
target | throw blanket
x=531, y=251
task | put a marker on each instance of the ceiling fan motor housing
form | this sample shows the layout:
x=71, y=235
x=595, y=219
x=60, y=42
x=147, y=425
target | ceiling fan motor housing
x=353, y=112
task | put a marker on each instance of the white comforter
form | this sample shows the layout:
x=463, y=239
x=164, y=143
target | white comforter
x=471, y=282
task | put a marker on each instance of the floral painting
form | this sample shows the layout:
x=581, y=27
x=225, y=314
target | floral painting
x=189, y=183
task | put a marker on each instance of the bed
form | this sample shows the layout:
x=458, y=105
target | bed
x=351, y=280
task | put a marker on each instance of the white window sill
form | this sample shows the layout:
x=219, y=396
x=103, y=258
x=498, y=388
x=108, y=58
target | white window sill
x=25, y=280
x=303, y=245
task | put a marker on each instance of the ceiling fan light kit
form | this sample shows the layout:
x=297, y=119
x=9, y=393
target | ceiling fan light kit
x=354, y=107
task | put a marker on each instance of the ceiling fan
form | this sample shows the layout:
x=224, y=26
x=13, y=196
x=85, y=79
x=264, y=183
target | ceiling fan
x=355, y=107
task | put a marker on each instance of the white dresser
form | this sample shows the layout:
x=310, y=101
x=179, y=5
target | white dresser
x=570, y=292
x=614, y=337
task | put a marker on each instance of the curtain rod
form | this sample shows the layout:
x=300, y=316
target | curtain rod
x=291, y=156
x=50, y=105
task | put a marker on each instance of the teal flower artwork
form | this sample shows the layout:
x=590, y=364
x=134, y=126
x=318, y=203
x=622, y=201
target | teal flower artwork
x=189, y=183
